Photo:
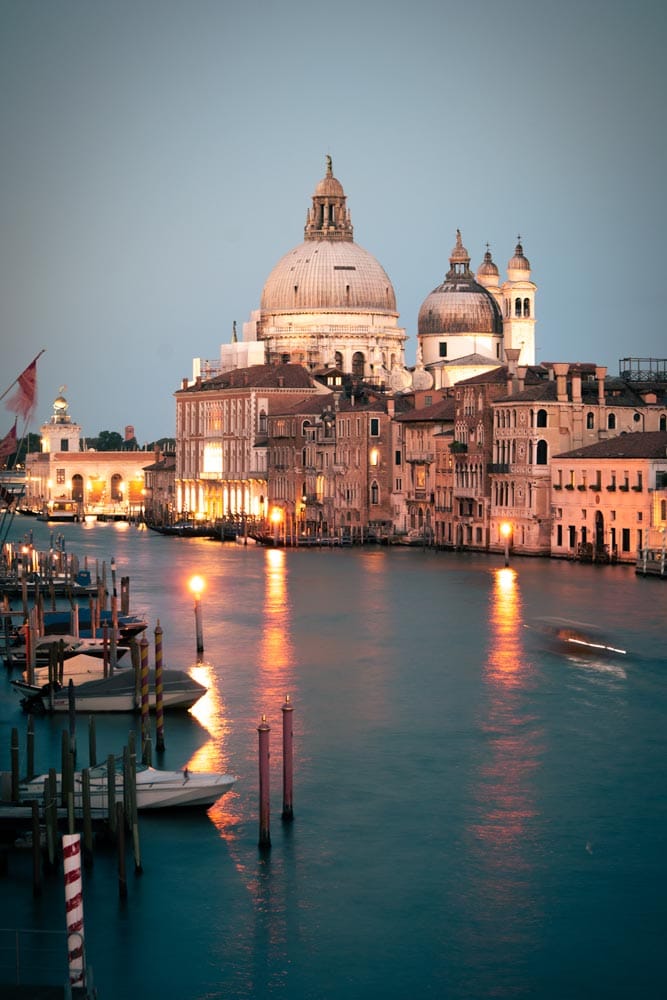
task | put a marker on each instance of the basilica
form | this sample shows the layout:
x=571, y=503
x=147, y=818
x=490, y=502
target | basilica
x=329, y=304
x=314, y=421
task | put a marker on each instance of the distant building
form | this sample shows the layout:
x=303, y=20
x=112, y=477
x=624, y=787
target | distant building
x=100, y=482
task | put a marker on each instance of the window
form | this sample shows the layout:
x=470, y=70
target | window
x=590, y=421
x=443, y=348
x=541, y=457
x=541, y=418
x=64, y=444
x=397, y=457
x=517, y=307
x=375, y=427
x=60, y=476
x=375, y=493
x=611, y=422
x=526, y=307
x=625, y=539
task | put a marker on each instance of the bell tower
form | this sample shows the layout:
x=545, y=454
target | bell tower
x=518, y=294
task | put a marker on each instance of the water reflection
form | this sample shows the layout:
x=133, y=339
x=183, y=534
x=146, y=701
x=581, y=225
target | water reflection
x=504, y=820
x=276, y=645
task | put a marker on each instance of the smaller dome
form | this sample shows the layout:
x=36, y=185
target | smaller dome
x=60, y=403
x=519, y=262
x=329, y=187
x=487, y=267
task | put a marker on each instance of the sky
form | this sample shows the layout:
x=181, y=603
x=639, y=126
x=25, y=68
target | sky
x=157, y=159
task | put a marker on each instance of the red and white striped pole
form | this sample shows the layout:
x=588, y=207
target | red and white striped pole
x=74, y=908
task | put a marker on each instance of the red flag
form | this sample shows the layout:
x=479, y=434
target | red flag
x=8, y=445
x=25, y=397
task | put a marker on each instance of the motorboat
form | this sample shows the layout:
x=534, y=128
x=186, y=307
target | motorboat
x=59, y=622
x=117, y=693
x=577, y=638
x=156, y=789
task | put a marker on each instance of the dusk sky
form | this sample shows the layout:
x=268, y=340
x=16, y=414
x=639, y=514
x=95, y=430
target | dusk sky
x=157, y=159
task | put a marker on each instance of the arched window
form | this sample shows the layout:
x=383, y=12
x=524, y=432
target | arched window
x=375, y=493
x=358, y=364
x=590, y=420
x=611, y=422
x=526, y=307
x=517, y=307
x=663, y=423
x=116, y=487
x=542, y=451
x=541, y=418
x=338, y=360
x=262, y=422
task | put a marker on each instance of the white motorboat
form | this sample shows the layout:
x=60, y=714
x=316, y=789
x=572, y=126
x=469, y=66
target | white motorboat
x=156, y=789
x=117, y=693
x=575, y=637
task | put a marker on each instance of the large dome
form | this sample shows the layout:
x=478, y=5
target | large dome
x=328, y=274
x=328, y=270
x=460, y=304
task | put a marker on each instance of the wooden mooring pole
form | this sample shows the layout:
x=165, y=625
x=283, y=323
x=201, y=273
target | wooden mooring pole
x=288, y=774
x=264, y=793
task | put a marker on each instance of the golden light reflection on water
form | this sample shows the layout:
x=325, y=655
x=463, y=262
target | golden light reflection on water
x=504, y=817
x=211, y=712
x=275, y=650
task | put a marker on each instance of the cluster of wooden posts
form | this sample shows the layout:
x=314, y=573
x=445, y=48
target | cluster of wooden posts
x=62, y=806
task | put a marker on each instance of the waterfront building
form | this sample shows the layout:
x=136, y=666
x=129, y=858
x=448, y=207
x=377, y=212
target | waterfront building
x=160, y=488
x=106, y=483
x=221, y=438
x=610, y=499
x=421, y=489
x=329, y=466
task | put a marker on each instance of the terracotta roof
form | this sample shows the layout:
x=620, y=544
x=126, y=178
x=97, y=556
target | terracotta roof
x=640, y=444
x=259, y=377
x=444, y=409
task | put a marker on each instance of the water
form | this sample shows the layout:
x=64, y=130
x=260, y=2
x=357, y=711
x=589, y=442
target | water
x=476, y=816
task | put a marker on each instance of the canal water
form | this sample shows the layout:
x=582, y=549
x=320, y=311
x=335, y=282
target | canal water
x=477, y=815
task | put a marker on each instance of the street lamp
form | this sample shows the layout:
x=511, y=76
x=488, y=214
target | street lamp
x=197, y=584
x=506, y=531
x=276, y=518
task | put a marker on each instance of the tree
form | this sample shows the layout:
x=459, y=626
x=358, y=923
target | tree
x=107, y=441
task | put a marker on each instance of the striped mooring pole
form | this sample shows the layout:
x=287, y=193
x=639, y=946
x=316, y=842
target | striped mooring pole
x=74, y=908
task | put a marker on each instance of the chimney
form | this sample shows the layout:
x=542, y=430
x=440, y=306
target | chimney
x=391, y=406
x=600, y=374
x=512, y=356
x=576, y=387
x=521, y=373
x=560, y=371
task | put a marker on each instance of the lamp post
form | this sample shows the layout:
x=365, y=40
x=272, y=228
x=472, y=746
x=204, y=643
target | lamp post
x=197, y=584
x=276, y=518
x=506, y=531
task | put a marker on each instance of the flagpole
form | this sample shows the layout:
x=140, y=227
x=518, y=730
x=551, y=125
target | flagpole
x=10, y=387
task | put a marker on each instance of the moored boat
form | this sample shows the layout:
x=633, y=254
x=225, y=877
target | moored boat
x=117, y=693
x=156, y=789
